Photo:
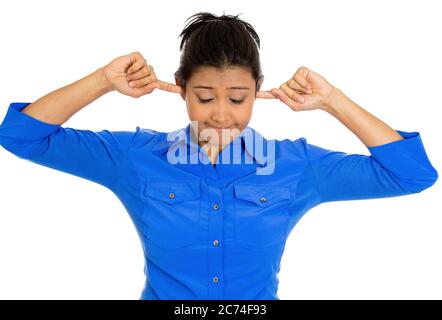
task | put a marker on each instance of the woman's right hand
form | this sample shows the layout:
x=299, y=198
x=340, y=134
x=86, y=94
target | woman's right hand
x=133, y=68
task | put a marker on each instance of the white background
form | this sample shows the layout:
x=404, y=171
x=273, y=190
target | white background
x=63, y=237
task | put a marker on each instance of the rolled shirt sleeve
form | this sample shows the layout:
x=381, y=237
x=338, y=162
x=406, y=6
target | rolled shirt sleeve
x=95, y=156
x=393, y=169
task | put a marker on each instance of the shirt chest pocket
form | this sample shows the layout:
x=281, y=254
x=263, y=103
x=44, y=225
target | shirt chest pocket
x=261, y=216
x=173, y=213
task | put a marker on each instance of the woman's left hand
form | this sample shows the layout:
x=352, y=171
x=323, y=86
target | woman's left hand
x=306, y=90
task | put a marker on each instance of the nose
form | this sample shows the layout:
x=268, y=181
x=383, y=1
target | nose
x=220, y=115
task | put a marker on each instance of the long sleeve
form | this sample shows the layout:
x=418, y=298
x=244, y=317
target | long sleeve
x=95, y=156
x=393, y=169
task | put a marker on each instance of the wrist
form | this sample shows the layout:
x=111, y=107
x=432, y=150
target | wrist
x=333, y=101
x=103, y=84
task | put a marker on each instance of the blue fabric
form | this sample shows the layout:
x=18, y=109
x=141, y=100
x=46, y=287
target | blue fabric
x=179, y=208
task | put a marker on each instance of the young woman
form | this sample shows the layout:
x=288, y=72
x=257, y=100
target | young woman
x=213, y=203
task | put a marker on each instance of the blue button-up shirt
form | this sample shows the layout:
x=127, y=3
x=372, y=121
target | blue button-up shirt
x=216, y=232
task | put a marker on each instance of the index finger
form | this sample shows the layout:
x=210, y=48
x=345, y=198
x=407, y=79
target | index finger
x=167, y=86
x=265, y=95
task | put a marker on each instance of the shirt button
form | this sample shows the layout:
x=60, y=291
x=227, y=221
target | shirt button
x=216, y=206
x=263, y=199
x=171, y=195
x=215, y=242
x=215, y=279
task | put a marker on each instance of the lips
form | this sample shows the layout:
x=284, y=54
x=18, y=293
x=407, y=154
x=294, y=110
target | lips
x=218, y=128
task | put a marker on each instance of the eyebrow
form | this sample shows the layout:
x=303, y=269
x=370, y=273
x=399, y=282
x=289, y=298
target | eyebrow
x=206, y=87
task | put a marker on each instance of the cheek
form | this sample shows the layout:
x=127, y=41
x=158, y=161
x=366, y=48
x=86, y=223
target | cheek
x=197, y=112
x=244, y=113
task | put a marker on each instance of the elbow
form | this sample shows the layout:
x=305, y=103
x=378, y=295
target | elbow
x=21, y=149
x=433, y=178
x=423, y=182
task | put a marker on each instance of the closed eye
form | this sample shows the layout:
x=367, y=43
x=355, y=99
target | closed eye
x=233, y=100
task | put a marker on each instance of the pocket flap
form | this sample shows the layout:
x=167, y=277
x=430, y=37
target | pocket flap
x=172, y=192
x=259, y=195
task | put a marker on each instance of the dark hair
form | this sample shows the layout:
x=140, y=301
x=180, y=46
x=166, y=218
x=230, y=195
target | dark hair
x=219, y=42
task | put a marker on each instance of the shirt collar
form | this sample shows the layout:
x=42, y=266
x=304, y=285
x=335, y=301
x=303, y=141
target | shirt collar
x=249, y=138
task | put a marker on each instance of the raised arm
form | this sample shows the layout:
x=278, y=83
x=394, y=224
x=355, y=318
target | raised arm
x=398, y=164
x=58, y=106
x=33, y=131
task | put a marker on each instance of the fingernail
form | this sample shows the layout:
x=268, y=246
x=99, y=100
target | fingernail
x=301, y=99
x=131, y=84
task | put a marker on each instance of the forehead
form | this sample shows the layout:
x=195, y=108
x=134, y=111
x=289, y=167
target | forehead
x=211, y=76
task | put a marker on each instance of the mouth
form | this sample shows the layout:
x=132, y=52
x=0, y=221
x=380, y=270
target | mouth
x=216, y=127
x=219, y=128
x=221, y=133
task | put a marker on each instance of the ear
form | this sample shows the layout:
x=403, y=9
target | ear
x=183, y=95
x=260, y=83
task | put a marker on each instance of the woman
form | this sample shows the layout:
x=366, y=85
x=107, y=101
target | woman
x=214, y=202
